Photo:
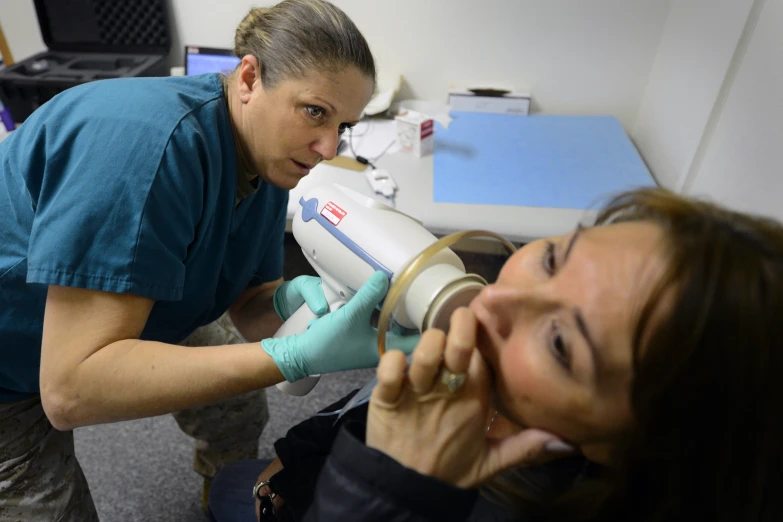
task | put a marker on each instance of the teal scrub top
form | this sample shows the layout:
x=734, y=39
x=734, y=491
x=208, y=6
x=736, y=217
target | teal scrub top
x=128, y=186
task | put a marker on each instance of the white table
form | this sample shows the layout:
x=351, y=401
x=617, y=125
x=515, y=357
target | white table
x=414, y=197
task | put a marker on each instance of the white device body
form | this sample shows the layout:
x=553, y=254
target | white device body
x=377, y=235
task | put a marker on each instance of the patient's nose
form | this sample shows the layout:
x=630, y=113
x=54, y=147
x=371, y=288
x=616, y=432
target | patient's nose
x=498, y=302
x=508, y=304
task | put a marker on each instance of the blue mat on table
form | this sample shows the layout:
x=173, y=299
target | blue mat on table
x=534, y=161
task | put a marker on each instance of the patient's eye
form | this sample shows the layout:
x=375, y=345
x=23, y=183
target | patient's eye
x=559, y=347
x=548, y=260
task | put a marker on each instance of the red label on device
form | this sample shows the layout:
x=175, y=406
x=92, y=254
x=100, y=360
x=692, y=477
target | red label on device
x=333, y=213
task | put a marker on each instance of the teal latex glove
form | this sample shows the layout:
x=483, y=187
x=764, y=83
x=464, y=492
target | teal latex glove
x=303, y=289
x=341, y=340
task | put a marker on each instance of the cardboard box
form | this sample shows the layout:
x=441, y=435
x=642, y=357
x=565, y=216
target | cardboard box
x=415, y=133
x=463, y=100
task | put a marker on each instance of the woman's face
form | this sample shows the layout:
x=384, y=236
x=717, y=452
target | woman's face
x=289, y=128
x=556, y=329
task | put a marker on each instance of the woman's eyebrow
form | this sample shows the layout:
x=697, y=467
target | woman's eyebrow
x=575, y=235
x=579, y=319
x=331, y=110
x=323, y=101
x=595, y=350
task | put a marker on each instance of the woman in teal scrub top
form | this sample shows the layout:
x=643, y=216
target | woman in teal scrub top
x=134, y=211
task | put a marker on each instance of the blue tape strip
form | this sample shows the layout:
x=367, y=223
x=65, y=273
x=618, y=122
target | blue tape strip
x=310, y=211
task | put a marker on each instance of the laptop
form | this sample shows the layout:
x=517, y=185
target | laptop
x=202, y=60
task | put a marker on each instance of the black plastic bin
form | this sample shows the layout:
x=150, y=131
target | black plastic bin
x=87, y=40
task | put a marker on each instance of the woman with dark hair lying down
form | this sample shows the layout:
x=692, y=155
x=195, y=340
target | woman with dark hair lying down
x=634, y=367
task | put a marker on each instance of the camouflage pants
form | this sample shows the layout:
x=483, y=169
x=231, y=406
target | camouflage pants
x=41, y=480
x=229, y=430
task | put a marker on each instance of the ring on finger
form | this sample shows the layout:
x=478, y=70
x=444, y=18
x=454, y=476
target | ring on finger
x=452, y=381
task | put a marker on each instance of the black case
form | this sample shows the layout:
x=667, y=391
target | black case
x=87, y=40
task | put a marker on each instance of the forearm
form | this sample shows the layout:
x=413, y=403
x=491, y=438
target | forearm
x=257, y=319
x=131, y=379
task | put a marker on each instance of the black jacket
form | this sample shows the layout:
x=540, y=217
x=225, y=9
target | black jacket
x=329, y=474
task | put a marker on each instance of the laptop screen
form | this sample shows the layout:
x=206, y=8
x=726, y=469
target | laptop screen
x=201, y=60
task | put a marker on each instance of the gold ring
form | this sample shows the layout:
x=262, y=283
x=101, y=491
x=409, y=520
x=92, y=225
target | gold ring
x=453, y=381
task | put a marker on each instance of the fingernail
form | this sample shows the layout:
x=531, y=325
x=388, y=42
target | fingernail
x=558, y=446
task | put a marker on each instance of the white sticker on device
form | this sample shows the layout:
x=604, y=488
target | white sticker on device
x=333, y=213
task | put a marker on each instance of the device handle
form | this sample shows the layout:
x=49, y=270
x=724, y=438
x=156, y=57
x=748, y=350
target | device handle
x=297, y=323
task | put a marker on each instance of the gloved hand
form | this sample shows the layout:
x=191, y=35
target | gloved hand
x=303, y=289
x=341, y=340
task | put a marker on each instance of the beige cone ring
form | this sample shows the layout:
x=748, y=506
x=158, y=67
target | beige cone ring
x=453, y=381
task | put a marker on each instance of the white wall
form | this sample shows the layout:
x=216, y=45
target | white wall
x=711, y=121
x=20, y=26
x=199, y=22
x=742, y=165
x=696, y=49
x=575, y=56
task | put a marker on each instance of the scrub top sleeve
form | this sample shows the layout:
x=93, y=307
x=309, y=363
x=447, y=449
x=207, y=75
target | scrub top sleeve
x=118, y=211
x=271, y=268
x=173, y=212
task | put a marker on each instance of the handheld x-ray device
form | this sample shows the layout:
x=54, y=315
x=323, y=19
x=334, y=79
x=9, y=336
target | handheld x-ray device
x=347, y=237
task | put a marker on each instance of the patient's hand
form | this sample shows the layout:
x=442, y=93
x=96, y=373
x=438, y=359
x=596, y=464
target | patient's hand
x=501, y=427
x=272, y=469
x=416, y=419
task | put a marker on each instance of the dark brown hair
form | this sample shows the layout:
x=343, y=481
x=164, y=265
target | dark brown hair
x=295, y=37
x=707, y=393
